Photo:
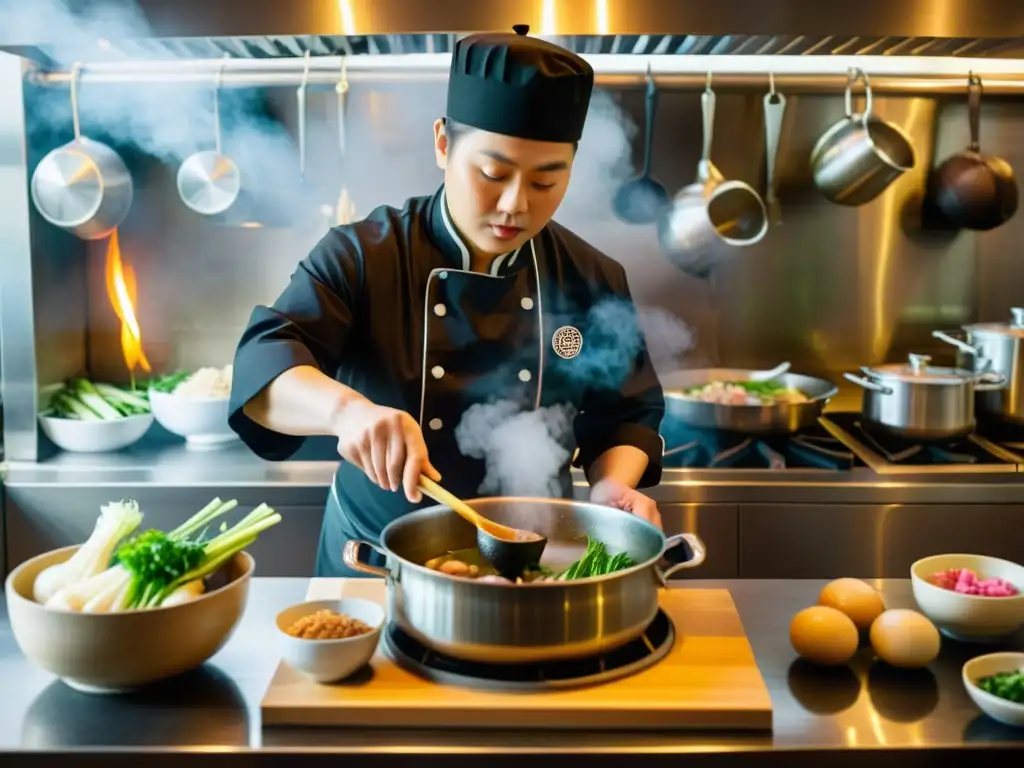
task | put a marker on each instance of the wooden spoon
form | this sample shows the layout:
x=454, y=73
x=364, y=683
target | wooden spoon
x=510, y=550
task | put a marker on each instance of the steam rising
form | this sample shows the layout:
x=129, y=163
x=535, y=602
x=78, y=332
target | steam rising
x=523, y=450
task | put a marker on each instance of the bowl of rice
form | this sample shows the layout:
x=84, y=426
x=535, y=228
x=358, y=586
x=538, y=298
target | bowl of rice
x=195, y=406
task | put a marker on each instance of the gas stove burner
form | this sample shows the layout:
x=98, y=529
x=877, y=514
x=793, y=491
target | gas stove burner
x=648, y=649
x=713, y=449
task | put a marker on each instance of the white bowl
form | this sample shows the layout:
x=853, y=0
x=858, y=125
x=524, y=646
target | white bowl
x=327, y=661
x=1007, y=712
x=115, y=652
x=969, y=618
x=95, y=436
x=203, y=422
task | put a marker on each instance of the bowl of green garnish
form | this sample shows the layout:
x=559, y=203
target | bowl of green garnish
x=995, y=682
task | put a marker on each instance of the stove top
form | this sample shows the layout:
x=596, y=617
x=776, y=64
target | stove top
x=887, y=454
x=813, y=448
x=640, y=654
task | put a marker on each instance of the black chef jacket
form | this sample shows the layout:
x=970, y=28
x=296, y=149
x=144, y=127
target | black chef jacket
x=389, y=307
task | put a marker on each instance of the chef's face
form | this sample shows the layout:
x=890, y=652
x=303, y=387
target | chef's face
x=501, y=190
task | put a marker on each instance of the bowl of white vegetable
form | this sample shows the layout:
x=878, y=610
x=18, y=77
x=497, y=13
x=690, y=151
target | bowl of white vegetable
x=90, y=417
x=127, y=609
x=195, y=406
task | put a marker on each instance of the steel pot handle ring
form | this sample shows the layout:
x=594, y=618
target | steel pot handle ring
x=350, y=555
x=990, y=381
x=696, y=547
x=867, y=384
x=855, y=74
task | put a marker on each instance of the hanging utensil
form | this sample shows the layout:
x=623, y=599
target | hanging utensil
x=711, y=212
x=641, y=200
x=861, y=155
x=209, y=182
x=83, y=186
x=510, y=550
x=972, y=190
x=300, y=98
x=345, y=209
x=774, y=111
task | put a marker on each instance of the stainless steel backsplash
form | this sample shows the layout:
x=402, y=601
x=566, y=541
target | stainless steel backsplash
x=830, y=288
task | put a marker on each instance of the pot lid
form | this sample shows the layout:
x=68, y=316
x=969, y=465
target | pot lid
x=1015, y=327
x=917, y=370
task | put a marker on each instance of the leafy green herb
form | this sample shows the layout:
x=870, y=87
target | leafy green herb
x=1005, y=685
x=596, y=561
x=169, y=382
x=156, y=561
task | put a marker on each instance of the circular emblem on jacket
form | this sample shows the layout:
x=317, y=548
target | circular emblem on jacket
x=567, y=342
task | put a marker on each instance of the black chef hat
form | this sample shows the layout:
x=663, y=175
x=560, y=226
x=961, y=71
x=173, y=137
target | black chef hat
x=519, y=86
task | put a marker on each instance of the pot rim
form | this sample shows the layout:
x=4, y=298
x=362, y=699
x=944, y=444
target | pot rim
x=649, y=563
x=1014, y=328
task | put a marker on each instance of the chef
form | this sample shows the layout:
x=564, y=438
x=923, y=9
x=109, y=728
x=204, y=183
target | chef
x=393, y=327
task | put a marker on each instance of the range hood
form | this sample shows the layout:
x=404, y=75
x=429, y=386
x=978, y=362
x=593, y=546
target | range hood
x=204, y=29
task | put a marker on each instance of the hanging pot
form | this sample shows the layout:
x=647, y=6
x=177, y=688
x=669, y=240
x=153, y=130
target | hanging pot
x=83, y=186
x=209, y=181
x=917, y=401
x=971, y=190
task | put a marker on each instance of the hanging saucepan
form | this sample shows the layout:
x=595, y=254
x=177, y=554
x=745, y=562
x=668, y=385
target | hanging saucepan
x=708, y=216
x=999, y=348
x=209, y=181
x=971, y=190
x=920, y=402
x=83, y=186
x=861, y=155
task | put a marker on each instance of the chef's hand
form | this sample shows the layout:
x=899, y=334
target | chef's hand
x=387, y=444
x=612, y=493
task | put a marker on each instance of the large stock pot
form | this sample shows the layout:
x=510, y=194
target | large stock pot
x=516, y=623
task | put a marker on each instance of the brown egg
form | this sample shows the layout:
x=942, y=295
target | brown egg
x=855, y=598
x=905, y=638
x=823, y=635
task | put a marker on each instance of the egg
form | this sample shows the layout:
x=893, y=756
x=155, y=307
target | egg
x=823, y=635
x=855, y=598
x=905, y=638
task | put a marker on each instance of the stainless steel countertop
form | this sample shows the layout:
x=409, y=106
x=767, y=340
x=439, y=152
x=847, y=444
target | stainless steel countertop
x=907, y=717
x=172, y=465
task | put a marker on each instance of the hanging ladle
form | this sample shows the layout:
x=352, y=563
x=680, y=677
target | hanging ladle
x=510, y=550
x=641, y=200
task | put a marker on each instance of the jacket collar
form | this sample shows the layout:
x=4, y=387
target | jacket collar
x=451, y=244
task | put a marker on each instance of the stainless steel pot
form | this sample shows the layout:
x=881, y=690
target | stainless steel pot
x=778, y=418
x=711, y=215
x=996, y=347
x=917, y=401
x=83, y=186
x=861, y=155
x=509, y=623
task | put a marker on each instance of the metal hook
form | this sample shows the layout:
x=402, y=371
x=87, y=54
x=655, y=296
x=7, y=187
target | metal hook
x=76, y=71
x=301, y=98
x=342, y=86
x=771, y=83
x=707, y=83
x=650, y=75
x=216, y=100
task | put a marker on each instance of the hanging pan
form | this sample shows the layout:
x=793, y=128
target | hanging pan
x=83, y=186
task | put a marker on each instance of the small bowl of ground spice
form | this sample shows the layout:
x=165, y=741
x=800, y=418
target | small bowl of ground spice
x=329, y=640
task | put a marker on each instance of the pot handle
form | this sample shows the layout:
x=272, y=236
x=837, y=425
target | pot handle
x=963, y=346
x=990, y=382
x=867, y=384
x=350, y=555
x=696, y=547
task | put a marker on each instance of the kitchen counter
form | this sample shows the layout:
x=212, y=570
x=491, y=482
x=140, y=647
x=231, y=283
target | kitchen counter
x=868, y=712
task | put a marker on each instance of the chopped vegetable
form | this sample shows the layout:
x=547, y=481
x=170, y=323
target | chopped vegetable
x=116, y=520
x=746, y=393
x=85, y=400
x=596, y=561
x=169, y=382
x=1005, y=685
x=156, y=568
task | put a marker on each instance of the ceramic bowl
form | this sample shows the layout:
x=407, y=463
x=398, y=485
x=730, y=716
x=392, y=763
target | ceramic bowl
x=95, y=436
x=1007, y=712
x=328, y=661
x=969, y=618
x=203, y=422
x=113, y=652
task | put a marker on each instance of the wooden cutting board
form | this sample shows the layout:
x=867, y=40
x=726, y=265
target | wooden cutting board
x=708, y=680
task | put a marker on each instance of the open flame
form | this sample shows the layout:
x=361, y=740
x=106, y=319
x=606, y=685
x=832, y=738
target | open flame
x=121, y=291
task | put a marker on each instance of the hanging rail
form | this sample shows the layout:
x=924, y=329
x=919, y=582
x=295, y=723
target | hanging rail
x=910, y=75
